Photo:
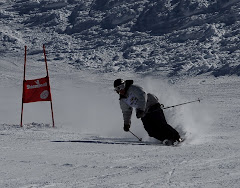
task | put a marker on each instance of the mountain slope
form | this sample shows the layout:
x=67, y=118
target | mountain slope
x=148, y=37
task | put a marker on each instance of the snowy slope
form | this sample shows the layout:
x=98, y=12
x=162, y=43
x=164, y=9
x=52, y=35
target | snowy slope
x=165, y=46
x=38, y=155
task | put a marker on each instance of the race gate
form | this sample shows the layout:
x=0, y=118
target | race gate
x=36, y=90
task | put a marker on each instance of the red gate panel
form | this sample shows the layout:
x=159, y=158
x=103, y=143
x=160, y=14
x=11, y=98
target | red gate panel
x=36, y=90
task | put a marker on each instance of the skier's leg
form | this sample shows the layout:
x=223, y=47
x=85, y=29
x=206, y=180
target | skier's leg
x=175, y=134
x=156, y=125
x=162, y=130
x=147, y=123
x=171, y=133
x=153, y=126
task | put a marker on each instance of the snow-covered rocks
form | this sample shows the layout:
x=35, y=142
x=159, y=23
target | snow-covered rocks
x=158, y=37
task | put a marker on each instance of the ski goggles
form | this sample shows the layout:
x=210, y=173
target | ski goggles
x=120, y=87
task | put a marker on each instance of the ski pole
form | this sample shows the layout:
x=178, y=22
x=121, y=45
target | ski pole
x=181, y=104
x=140, y=139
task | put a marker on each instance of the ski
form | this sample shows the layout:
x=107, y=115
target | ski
x=110, y=142
x=118, y=142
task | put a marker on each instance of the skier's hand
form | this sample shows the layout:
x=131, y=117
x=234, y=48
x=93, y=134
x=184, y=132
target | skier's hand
x=139, y=113
x=126, y=127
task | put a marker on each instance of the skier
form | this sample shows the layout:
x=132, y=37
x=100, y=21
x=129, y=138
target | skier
x=147, y=108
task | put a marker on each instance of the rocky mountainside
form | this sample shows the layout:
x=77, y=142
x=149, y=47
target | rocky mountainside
x=157, y=37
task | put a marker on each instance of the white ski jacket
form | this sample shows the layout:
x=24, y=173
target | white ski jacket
x=136, y=98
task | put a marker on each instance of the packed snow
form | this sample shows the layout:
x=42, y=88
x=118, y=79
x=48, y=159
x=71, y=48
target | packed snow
x=89, y=45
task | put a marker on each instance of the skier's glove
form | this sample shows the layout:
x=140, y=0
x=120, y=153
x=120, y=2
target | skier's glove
x=139, y=113
x=126, y=127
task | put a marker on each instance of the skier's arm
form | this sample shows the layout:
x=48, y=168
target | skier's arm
x=127, y=112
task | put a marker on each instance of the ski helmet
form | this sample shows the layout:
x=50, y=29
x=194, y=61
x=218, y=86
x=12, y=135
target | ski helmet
x=119, y=84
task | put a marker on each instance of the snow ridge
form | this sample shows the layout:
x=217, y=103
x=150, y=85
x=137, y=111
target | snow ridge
x=170, y=38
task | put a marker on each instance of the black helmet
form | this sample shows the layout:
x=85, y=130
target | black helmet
x=118, y=82
x=119, y=85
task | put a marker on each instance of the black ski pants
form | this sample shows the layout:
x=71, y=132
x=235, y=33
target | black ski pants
x=156, y=125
